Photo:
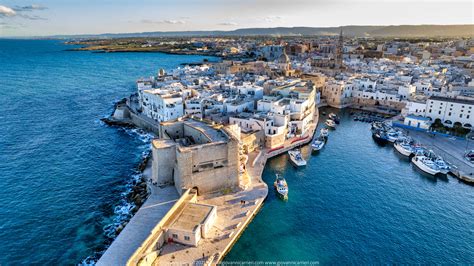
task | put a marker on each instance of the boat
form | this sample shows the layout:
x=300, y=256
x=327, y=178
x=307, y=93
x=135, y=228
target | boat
x=281, y=186
x=380, y=137
x=330, y=123
x=425, y=164
x=334, y=117
x=296, y=158
x=404, y=147
x=318, y=143
x=393, y=136
x=444, y=167
x=324, y=132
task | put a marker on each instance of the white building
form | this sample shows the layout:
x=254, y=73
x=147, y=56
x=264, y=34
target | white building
x=162, y=105
x=415, y=121
x=451, y=111
x=415, y=108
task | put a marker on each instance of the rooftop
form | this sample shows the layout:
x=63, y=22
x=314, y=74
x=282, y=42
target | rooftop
x=192, y=215
x=451, y=100
x=212, y=133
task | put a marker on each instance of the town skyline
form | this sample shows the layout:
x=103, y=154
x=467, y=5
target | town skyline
x=52, y=17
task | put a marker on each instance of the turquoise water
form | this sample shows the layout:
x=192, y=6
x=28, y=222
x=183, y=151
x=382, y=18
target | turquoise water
x=359, y=203
x=63, y=174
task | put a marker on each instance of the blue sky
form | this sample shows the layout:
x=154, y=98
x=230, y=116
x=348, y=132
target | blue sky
x=49, y=17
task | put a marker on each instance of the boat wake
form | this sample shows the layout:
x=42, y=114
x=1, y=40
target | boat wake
x=126, y=206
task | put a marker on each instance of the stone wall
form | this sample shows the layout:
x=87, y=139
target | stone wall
x=164, y=157
x=210, y=167
x=149, y=250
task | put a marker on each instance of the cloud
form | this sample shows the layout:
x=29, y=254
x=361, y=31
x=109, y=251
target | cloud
x=18, y=11
x=272, y=18
x=31, y=17
x=29, y=8
x=228, y=24
x=166, y=21
x=6, y=11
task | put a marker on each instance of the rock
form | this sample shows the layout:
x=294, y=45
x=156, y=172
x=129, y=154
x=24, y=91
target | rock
x=119, y=229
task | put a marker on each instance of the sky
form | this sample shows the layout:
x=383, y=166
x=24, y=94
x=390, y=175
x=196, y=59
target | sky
x=52, y=17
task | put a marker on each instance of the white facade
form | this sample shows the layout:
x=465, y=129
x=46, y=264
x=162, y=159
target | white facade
x=414, y=108
x=161, y=105
x=451, y=111
x=417, y=122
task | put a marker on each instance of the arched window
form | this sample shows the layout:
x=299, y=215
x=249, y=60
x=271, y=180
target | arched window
x=467, y=125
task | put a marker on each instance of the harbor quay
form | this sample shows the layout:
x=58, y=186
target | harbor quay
x=452, y=149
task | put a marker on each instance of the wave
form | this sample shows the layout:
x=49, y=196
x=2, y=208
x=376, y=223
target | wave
x=125, y=208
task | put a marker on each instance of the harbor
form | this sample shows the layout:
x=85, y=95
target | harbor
x=356, y=189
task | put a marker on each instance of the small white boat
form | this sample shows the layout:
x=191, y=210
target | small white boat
x=334, y=117
x=444, y=168
x=281, y=187
x=393, y=136
x=425, y=164
x=318, y=143
x=324, y=132
x=330, y=123
x=404, y=148
x=296, y=158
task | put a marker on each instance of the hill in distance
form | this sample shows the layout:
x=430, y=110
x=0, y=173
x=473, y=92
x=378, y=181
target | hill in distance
x=353, y=31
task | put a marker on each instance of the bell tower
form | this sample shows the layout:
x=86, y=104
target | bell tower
x=338, y=63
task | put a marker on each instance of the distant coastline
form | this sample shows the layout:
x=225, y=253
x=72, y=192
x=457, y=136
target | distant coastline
x=371, y=31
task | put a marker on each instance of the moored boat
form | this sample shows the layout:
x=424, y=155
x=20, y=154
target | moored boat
x=334, y=117
x=425, y=164
x=443, y=166
x=324, y=132
x=281, y=186
x=380, y=137
x=296, y=158
x=330, y=123
x=318, y=143
x=404, y=148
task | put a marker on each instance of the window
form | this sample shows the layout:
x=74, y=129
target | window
x=186, y=238
x=175, y=236
x=439, y=112
x=449, y=114
x=460, y=116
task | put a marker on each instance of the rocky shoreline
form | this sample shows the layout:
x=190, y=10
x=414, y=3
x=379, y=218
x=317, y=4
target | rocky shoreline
x=135, y=195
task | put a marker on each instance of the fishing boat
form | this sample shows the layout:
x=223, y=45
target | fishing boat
x=425, y=164
x=404, y=147
x=443, y=166
x=330, y=123
x=380, y=137
x=281, y=187
x=324, y=132
x=394, y=135
x=296, y=158
x=318, y=143
x=334, y=117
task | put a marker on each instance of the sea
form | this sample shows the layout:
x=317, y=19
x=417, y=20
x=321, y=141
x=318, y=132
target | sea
x=64, y=176
x=359, y=203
